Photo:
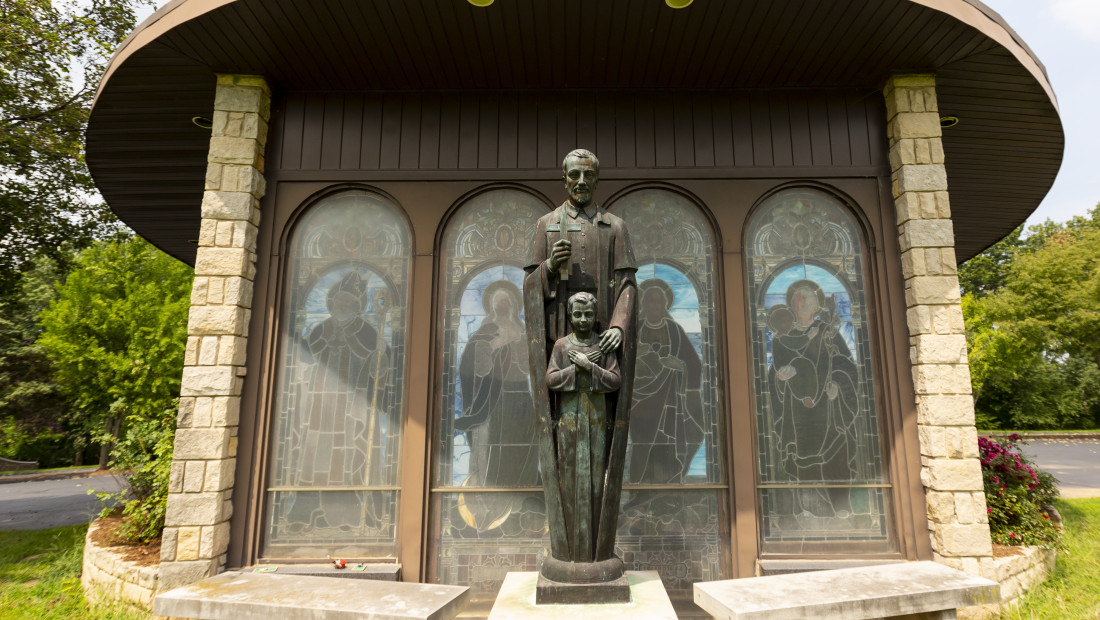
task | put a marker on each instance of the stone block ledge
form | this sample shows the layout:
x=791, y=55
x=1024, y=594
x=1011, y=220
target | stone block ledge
x=239, y=595
x=1017, y=572
x=107, y=575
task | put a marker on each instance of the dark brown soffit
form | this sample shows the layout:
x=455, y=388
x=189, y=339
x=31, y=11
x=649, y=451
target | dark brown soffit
x=148, y=159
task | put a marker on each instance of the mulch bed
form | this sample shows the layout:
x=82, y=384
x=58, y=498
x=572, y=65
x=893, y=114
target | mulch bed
x=142, y=555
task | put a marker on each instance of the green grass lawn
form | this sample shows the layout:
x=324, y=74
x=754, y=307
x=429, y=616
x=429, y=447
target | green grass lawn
x=1074, y=590
x=40, y=577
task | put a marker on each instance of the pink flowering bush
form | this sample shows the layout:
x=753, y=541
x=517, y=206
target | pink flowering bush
x=1018, y=495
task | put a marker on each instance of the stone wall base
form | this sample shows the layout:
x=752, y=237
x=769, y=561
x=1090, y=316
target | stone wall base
x=1017, y=574
x=106, y=575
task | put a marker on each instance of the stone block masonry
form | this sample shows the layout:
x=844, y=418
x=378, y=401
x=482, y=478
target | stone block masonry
x=196, y=533
x=950, y=471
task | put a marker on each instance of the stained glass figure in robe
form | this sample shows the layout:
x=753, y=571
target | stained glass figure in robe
x=336, y=411
x=666, y=427
x=822, y=476
x=496, y=409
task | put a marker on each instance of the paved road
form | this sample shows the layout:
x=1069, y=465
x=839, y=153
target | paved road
x=1074, y=462
x=42, y=504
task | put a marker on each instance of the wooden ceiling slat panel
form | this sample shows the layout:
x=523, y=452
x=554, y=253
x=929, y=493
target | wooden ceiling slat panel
x=1010, y=126
x=746, y=43
x=691, y=64
x=795, y=36
x=827, y=42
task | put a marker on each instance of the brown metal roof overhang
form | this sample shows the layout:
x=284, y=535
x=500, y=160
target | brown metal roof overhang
x=148, y=158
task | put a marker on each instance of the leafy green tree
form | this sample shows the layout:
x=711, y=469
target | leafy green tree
x=52, y=54
x=116, y=334
x=31, y=403
x=1034, y=339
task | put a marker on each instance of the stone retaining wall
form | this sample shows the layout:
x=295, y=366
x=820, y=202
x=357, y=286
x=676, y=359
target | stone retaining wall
x=107, y=575
x=1017, y=574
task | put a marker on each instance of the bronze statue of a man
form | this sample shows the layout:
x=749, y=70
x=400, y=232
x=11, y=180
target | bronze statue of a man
x=581, y=248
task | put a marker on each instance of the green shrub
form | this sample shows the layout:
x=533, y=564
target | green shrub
x=143, y=456
x=1015, y=493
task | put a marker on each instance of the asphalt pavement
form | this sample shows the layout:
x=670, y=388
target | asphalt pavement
x=1074, y=462
x=42, y=504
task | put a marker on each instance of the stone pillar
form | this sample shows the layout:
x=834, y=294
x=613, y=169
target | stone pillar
x=196, y=533
x=950, y=469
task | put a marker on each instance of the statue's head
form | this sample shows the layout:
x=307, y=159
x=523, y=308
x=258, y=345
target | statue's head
x=581, y=171
x=582, y=313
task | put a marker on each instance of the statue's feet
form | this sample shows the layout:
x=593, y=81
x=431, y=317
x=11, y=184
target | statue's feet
x=564, y=571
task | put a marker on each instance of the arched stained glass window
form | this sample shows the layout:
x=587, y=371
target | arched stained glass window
x=822, y=482
x=486, y=492
x=673, y=514
x=337, y=411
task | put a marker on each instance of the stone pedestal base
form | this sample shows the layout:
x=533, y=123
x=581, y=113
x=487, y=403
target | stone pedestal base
x=648, y=599
x=556, y=593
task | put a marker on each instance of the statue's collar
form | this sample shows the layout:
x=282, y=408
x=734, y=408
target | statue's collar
x=574, y=212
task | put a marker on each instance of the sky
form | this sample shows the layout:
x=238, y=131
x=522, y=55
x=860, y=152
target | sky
x=1065, y=35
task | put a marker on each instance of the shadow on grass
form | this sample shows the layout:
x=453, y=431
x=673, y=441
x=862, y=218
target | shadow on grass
x=40, y=577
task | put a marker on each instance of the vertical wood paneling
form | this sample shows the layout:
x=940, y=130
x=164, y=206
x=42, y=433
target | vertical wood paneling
x=488, y=130
x=411, y=124
x=798, y=116
x=664, y=131
x=723, y=132
x=839, y=140
x=760, y=119
x=779, y=110
x=312, y=131
x=389, y=151
x=606, y=143
x=702, y=131
x=292, y=132
x=507, y=156
x=625, y=136
x=528, y=132
x=820, y=147
x=429, y=132
x=352, y=129
x=741, y=117
x=332, y=131
x=450, y=121
x=643, y=133
x=857, y=130
x=547, y=133
x=586, y=124
x=468, y=131
x=509, y=130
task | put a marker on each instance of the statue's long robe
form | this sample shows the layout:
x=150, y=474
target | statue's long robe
x=603, y=264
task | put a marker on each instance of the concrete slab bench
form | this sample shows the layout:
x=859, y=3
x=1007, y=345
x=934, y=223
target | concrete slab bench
x=909, y=590
x=263, y=596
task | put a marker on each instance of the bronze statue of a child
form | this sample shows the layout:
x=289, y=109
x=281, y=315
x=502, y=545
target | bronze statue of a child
x=581, y=374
